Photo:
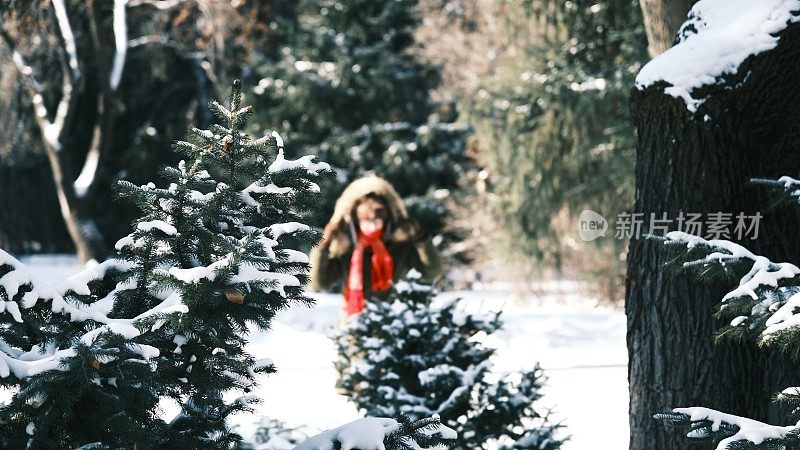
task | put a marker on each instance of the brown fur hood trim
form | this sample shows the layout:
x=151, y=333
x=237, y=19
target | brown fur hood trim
x=400, y=227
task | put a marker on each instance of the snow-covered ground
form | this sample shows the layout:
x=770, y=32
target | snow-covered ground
x=580, y=346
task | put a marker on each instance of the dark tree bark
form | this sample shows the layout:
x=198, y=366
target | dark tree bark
x=748, y=126
x=662, y=20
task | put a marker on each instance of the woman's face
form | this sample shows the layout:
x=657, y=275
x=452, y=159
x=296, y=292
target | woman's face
x=371, y=216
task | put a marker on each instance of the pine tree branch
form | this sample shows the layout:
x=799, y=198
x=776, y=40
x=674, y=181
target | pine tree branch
x=788, y=186
x=731, y=432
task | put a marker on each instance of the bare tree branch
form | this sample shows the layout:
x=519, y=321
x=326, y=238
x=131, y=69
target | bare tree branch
x=51, y=130
x=66, y=106
x=86, y=179
x=121, y=43
x=166, y=42
x=60, y=10
x=101, y=47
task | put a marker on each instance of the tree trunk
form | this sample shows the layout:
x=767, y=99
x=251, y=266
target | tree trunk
x=89, y=243
x=700, y=163
x=662, y=20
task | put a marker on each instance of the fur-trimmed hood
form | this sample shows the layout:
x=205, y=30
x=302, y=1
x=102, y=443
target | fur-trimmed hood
x=399, y=225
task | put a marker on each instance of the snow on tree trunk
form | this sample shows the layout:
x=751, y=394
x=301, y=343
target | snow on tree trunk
x=700, y=138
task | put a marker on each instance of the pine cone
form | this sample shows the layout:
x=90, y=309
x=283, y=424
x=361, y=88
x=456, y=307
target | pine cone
x=235, y=297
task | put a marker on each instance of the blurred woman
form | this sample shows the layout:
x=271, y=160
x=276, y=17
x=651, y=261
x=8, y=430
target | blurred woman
x=369, y=242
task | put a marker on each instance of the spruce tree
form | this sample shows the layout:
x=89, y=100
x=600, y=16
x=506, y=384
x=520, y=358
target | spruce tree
x=348, y=88
x=552, y=127
x=213, y=256
x=763, y=308
x=409, y=355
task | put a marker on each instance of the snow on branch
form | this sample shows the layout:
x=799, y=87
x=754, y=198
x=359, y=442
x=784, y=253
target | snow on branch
x=362, y=434
x=763, y=272
x=785, y=317
x=767, y=298
x=24, y=369
x=789, y=186
x=88, y=172
x=19, y=276
x=728, y=429
x=304, y=162
x=33, y=362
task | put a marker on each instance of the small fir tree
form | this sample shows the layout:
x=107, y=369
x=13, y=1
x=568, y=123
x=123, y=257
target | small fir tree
x=764, y=308
x=213, y=256
x=405, y=355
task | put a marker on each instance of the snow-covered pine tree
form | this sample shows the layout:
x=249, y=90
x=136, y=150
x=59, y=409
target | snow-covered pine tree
x=409, y=355
x=214, y=254
x=763, y=308
x=348, y=88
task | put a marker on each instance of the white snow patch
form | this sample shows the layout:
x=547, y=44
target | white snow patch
x=195, y=274
x=362, y=434
x=728, y=32
x=158, y=224
x=277, y=282
x=278, y=139
x=86, y=177
x=305, y=162
x=279, y=229
x=785, y=317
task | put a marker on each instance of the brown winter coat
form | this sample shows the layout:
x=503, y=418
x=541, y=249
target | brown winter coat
x=330, y=261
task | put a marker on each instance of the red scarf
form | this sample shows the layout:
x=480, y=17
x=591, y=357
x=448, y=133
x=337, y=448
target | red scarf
x=381, y=274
